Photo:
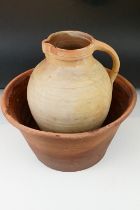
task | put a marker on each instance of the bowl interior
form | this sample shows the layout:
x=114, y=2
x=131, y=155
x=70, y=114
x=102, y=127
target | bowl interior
x=17, y=106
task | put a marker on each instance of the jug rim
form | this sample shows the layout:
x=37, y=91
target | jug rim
x=68, y=45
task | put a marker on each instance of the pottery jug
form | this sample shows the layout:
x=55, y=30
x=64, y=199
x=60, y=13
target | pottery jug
x=70, y=91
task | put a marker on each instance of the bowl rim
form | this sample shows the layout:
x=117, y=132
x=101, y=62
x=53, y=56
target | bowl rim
x=98, y=131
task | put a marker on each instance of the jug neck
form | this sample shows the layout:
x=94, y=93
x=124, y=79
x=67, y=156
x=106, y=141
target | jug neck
x=68, y=45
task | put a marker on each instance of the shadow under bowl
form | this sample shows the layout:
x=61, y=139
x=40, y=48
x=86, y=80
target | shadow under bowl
x=66, y=152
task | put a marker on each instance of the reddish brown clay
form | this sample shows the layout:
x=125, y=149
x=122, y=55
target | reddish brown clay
x=66, y=152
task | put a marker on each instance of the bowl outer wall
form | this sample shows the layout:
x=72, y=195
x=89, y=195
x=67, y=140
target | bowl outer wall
x=69, y=152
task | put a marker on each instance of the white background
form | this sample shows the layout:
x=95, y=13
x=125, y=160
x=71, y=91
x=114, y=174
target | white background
x=112, y=184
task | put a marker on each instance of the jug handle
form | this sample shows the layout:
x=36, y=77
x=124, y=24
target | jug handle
x=101, y=46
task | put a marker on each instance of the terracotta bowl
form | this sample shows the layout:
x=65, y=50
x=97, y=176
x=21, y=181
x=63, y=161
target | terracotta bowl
x=66, y=152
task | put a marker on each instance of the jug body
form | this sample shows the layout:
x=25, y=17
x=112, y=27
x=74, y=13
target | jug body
x=70, y=91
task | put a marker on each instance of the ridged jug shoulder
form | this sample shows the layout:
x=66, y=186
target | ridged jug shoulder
x=70, y=91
